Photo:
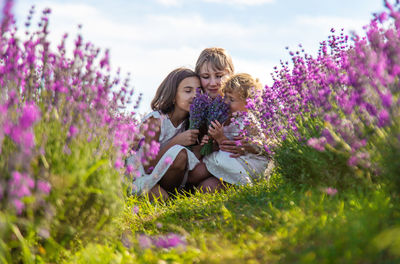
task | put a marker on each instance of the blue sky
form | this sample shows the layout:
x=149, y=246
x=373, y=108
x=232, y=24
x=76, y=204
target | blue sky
x=150, y=38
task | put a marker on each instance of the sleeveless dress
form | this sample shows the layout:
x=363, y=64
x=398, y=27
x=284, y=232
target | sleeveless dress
x=237, y=171
x=144, y=182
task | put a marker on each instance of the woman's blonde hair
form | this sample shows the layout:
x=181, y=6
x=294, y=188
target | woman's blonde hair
x=218, y=58
x=243, y=83
x=165, y=96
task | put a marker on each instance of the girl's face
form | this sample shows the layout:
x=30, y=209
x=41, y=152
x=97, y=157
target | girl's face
x=186, y=92
x=211, y=79
x=236, y=102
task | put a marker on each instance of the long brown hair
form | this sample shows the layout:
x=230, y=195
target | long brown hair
x=165, y=96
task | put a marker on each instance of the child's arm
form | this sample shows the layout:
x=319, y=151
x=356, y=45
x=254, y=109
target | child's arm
x=216, y=132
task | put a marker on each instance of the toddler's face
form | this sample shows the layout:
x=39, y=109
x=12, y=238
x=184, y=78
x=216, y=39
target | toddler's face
x=236, y=102
x=211, y=79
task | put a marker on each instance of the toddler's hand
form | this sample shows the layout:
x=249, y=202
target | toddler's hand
x=204, y=140
x=216, y=130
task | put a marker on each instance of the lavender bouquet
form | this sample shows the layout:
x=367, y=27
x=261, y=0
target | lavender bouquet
x=198, y=110
x=217, y=110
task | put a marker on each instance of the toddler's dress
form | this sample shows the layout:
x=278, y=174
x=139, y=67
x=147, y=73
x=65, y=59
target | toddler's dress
x=144, y=182
x=240, y=170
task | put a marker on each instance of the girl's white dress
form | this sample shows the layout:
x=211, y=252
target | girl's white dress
x=240, y=170
x=144, y=182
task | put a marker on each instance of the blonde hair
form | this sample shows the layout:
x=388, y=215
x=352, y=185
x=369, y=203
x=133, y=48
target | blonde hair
x=242, y=83
x=219, y=59
x=165, y=96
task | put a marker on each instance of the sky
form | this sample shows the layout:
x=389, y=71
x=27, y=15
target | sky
x=150, y=38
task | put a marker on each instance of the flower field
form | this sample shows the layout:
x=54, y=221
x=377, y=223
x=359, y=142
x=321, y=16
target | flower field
x=67, y=123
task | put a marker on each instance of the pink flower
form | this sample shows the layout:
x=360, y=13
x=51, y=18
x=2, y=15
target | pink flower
x=43, y=186
x=330, y=191
x=19, y=206
x=144, y=241
x=72, y=131
x=171, y=240
x=135, y=209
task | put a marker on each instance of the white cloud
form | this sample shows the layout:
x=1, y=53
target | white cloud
x=242, y=2
x=169, y=2
x=327, y=22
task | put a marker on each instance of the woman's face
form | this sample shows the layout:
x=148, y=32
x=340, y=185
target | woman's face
x=235, y=102
x=211, y=79
x=186, y=92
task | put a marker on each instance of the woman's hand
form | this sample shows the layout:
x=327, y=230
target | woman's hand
x=237, y=146
x=187, y=138
x=216, y=131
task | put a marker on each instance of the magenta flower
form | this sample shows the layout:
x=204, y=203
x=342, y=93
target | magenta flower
x=169, y=241
x=135, y=209
x=43, y=186
x=330, y=191
x=144, y=241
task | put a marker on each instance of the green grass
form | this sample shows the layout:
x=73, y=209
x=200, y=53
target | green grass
x=269, y=222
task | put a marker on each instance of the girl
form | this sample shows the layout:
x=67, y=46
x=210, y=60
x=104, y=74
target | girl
x=167, y=170
x=220, y=165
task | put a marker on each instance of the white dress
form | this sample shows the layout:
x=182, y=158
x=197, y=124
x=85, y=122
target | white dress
x=240, y=170
x=144, y=182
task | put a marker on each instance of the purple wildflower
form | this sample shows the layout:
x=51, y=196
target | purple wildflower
x=217, y=110
x=169, y=241
x=198, y=110
x=330, y=191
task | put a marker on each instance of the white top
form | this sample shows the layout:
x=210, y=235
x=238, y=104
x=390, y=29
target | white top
x=144, y=182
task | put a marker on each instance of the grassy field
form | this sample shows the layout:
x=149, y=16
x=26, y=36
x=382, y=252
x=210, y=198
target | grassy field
x=270, y=222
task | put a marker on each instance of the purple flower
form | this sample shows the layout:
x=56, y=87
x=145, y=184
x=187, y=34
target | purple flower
x=169, y=241
x=144, y=241
x=217, y=110
x=317, y=143
x=330, y=191
x=383, y=118
x=198, y=110
x=43, y=186
x=30, y=115
x=72, y=131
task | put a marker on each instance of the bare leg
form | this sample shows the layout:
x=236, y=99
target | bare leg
x=173, y=178
x=196, y=150
x=211, y=184
x=198, y=174
x=157, y=192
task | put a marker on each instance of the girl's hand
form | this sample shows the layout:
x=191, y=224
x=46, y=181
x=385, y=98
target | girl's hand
x=216, y=131
x=204, y=140
x=187, y=138
x=237, y=146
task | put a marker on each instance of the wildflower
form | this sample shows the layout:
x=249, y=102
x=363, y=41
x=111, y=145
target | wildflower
x=330, y=191
x=383, y=118
x=217, y=110
x=168, y=241
x=43, y=186
x=198, y=110
x=72, y=131
x=144, y=241
x=135, y=209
